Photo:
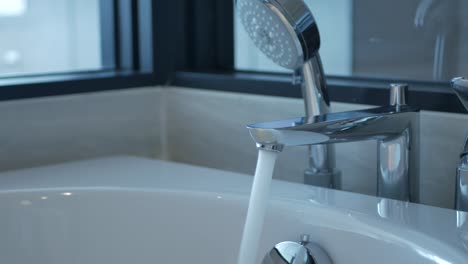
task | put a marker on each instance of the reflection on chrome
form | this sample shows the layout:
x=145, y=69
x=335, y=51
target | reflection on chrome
x=433, y=258
x=67, y=194
x=462, y=225
x=461, y=219
x=321, y=196
x=44, y=197
x=437, y=13
x=394, y=210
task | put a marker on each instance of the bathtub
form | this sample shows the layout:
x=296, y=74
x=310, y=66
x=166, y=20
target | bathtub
x=136, y=210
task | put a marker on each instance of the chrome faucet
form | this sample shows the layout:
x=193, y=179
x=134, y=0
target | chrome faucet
x=460, y=86
x=395, y=127
x=287, y=33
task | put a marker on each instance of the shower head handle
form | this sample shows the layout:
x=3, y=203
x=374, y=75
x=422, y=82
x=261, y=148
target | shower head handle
x=300, y=17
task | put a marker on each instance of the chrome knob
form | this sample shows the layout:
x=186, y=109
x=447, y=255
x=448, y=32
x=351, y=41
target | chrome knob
x=398, y=93
x=297, y=253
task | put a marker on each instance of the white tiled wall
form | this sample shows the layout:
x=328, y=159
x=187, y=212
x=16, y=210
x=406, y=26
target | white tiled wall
x=204, y=128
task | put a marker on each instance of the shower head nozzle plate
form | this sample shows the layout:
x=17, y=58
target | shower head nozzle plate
x=278, y=35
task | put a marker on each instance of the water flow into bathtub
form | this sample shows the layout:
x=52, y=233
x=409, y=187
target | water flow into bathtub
x=257, y=207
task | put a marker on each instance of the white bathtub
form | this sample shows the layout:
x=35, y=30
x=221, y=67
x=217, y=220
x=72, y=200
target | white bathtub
x=135, y=210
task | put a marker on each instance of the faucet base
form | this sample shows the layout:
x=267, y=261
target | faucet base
x=328, y=179
x=461, y=188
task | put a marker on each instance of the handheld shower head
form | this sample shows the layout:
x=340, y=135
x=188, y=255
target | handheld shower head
x=284, y=30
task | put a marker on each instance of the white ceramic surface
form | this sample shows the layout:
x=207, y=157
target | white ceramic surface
x=135, y=210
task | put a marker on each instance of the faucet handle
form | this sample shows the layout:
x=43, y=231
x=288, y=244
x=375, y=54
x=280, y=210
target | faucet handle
x=398, y=94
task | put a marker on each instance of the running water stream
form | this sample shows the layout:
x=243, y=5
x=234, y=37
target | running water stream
x=257, y=207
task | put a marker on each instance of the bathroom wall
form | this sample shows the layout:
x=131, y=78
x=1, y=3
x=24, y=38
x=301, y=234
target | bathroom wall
x=56, y=129
x=208, y=129
x=204, y=128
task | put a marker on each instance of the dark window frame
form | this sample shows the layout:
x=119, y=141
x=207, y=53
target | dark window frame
x=191, y=43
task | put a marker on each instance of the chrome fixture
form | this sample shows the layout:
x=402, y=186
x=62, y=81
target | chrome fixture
x=395, y=127
x=435, y=17
x=460, y=85
x=461, y=191
x=297, y=253
x=287, y=33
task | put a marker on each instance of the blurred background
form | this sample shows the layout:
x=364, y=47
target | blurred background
x=400, y=39
x=405, y=39
x=49, y=36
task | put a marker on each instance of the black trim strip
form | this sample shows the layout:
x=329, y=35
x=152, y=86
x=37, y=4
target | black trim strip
x=145, y=36
x=62, y=84
x=225, y=35
x=125, y=23
x=109, y=33
x=169, y=38
x=424, y=95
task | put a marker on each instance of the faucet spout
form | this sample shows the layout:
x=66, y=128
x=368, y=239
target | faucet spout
x=395, y=128
x=378, y=123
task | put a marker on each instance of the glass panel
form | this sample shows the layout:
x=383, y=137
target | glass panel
x=404, y=39
x=49, y=36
